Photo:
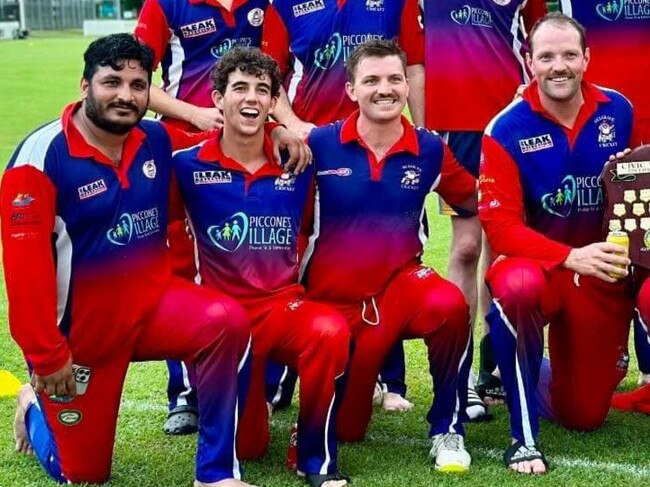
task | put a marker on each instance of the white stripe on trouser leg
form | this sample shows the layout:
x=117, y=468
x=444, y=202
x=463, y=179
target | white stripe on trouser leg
x=328, y=455
x=454, y=418
x=236, y=469
x=278, y=392
x=643, y=325
x=525, y=418
x=181, y=400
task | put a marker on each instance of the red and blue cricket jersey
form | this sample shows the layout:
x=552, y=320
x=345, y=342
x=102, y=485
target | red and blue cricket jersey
x=311, y=40
x=84, y=241
x=369, y=219
x=190, y=36
x=540, y=184
x=474, y=58
x=246, y=226
x=618, y=36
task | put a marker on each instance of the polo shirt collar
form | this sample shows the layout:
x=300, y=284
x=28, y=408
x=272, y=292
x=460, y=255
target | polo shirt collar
x=79, y=147
x=408, y=142
x=592, y=95
x=211, y=152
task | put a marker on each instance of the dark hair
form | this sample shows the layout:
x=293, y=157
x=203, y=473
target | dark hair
x=113, y=50
x=248, y=60
x=373, y=48
x=559, y=19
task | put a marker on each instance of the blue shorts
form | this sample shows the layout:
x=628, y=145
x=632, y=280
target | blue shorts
x=466, y=147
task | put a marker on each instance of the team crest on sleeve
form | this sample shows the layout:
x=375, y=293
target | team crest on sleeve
x=149, y=169
x=22, y=200
x=411, y=177
x=81, y=377
x=308, y=7
x=200, y=28
x=92, y=189
x=255, y=17
x=606, y=131
x=537, y=143
x=69, y=417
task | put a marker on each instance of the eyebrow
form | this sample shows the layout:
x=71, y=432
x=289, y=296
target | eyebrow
x=237, y=84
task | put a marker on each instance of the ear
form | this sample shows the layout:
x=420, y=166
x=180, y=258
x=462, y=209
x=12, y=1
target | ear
x=84, y=85
x=529, y=62
x=217, y=99
x=587, y=57
x=349, y=89
x=274, y=102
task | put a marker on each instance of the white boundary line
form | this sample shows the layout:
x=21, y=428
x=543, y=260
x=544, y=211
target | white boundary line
x=492, y=453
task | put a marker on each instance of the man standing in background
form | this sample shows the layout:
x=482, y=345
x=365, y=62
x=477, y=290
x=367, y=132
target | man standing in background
x=474, y=62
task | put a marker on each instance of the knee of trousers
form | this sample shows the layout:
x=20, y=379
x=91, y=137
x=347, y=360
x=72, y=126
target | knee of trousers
x=450, y=304
x=331, y=336
x=582, y=417
x=643, y=302
x=518, y=287
x=252, y=446
x=91, y=472
x=227, y=319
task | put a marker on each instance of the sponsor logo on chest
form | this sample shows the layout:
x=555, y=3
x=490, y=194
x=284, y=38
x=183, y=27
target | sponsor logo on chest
x=263, y=232
x=197, y=29
x=535, y=144
x=614, y=10
x=341, y=171
x=308, y=7
x=130, y=226
x=285, y=182
x=92, y=189
x=212, y=177
x=476, y=16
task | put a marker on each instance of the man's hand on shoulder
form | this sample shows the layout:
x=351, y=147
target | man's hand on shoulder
x=599, y=259
x=300, y=128
x=60, y=383
x=205, y=118
x=299, y=151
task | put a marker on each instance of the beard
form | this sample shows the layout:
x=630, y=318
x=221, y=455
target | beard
x=97, y=115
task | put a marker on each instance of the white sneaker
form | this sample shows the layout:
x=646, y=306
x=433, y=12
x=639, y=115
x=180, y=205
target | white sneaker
x=449, y=453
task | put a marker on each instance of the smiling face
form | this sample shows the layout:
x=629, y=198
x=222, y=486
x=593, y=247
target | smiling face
x=116, y=100
x=557, y=61
x=245, y=103
x=379, y=87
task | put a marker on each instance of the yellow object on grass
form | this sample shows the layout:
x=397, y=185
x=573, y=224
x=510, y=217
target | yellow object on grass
x=9, y=384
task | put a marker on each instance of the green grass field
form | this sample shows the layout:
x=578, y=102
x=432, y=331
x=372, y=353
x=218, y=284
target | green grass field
x=40, y=76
